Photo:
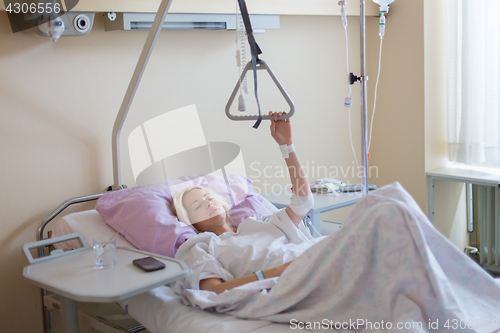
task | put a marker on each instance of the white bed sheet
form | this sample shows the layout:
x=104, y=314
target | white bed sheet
x=88, y=223
x=161, y=311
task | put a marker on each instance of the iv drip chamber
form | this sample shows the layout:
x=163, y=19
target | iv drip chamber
x=384, y=5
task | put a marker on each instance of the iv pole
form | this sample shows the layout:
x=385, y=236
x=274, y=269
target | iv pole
x=364, y=106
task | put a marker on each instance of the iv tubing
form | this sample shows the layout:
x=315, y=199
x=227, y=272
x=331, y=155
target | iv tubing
x=375, y=94
x=344, y=23
x=350, y=137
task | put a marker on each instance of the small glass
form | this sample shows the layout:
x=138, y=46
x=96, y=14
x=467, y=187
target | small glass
x=105, y=253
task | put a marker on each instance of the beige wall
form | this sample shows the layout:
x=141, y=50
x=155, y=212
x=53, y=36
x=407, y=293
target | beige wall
x=398, y=130
x=59, y=101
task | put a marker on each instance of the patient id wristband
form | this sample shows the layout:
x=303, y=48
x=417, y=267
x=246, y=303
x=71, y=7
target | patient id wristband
x=286, y=150
x=260, y=275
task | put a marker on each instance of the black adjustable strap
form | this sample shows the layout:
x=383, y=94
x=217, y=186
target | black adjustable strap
x=255, y=53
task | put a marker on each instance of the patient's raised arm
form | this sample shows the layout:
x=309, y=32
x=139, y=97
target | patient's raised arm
x=302, y=201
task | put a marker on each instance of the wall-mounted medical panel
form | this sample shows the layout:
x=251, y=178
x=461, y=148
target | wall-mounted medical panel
x=277, y=7
x=144, y=21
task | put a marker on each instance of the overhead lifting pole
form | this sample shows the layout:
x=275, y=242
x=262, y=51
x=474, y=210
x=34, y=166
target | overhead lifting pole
x=132, y=88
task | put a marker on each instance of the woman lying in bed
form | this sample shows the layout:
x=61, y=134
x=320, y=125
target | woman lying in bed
x=387, y=266
x=263, y=246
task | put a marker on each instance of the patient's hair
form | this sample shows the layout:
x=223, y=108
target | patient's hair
x=181, y=212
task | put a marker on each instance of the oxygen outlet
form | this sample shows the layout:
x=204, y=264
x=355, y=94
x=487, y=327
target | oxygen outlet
x=82, y=23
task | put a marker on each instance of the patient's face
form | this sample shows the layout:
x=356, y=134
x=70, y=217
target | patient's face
x=205, y=213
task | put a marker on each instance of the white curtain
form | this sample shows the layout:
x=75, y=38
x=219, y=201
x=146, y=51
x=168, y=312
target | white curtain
x=473, y=28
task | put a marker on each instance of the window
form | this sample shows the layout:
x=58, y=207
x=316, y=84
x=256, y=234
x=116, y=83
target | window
x=473, y=30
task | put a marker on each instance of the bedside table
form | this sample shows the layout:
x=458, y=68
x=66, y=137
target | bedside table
x=73, y=275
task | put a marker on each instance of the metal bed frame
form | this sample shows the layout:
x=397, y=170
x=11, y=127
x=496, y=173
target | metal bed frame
x=127, y=101
x=53, y=304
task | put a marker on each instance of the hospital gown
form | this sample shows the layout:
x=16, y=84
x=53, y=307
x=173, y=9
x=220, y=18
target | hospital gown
x=261, y=242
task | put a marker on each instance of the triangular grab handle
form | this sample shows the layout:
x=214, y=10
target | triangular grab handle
x=261, y=65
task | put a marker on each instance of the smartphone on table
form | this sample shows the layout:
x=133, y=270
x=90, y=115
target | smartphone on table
x=149, y=264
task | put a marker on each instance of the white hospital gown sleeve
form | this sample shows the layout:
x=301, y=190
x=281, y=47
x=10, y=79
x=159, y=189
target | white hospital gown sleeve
x=197, y=254
x=295, y=234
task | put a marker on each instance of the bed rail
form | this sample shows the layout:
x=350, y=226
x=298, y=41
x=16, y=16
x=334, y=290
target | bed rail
x=58, y=210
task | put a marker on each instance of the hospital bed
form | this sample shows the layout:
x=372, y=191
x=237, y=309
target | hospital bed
x=160, y=310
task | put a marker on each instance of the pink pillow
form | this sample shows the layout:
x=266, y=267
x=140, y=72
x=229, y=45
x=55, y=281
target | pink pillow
x=146, y=210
